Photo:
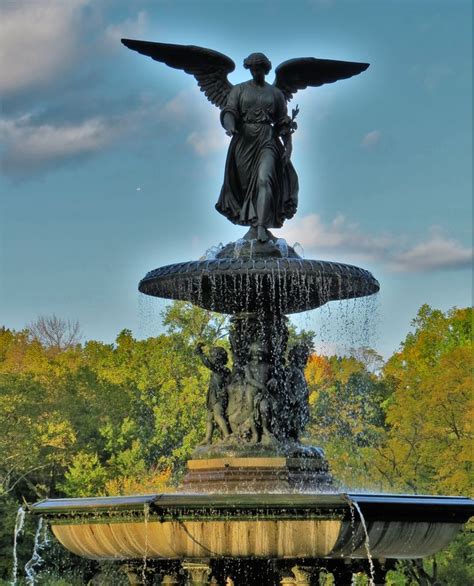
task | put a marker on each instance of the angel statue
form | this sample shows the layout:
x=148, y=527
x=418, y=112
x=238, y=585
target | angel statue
x=260, y=186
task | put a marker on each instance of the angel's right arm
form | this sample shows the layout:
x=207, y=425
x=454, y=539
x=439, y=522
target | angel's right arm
x=230, y=112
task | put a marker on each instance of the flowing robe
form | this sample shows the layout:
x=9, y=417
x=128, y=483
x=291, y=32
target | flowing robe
x=258, y=188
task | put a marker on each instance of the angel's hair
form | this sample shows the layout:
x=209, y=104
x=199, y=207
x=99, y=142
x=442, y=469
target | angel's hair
x=258, y=59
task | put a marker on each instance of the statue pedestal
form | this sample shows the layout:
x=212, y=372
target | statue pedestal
x=257, y=474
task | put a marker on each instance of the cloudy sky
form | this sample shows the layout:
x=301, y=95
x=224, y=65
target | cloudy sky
x=112, y=163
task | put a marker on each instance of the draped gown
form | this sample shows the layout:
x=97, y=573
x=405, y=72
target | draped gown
x=258, y=187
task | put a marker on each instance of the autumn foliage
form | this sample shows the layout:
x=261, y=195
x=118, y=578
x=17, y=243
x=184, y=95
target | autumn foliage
x=81, y=419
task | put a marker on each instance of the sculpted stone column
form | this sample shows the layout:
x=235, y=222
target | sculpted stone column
x=170, y=580
x=287, y=580
x=198, y=572
x=302, y=575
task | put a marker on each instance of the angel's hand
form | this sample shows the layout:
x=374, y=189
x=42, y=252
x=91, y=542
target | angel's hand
x=232, y=132
x=286, y=156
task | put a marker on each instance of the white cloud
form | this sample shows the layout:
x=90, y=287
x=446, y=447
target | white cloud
x=190, y=108
x=38, y=40
x=371, y=138
x=339, y=235
x=347, y=240
x=437, y=253
x=131, y=27
x=182, y=104
x=28, y=145
x=208, y=141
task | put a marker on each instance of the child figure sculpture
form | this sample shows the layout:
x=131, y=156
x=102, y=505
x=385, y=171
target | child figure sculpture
x=297, y=391
x=217, y=392
x=257, y=385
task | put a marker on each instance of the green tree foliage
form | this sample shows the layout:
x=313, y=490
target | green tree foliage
x=347, y=415
x=430, y=411
x=94, y=418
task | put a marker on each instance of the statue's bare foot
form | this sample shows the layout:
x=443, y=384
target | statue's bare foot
x=267, y=439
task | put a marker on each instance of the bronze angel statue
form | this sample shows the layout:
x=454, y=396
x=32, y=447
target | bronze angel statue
x=260, y=187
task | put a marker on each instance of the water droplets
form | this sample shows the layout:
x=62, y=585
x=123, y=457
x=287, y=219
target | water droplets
x=212, y=252
x=298, y=249
x=282, y=246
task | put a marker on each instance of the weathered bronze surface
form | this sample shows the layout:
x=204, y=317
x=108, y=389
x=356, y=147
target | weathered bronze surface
x=264, y=399
x=243, y=285
x=260, y=187
x=259, y=279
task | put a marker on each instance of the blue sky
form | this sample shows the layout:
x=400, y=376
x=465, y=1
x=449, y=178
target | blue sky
x=104, y=151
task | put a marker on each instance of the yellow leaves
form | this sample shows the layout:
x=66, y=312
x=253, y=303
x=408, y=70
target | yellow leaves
x=431, y=410
x=54, y=436
x=318, y=371
x=313, y=397
x=154, y=481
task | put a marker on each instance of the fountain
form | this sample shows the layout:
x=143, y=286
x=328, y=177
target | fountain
x=257, y=505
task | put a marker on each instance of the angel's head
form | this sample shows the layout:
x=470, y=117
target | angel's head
x=259, y=65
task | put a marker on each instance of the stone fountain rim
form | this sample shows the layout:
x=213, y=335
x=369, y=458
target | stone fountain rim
x=292, y=505
x=259, y=266
x=197, y=281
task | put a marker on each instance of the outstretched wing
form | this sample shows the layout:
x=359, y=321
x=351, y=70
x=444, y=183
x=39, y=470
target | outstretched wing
x=209, y=67
x=298, y=74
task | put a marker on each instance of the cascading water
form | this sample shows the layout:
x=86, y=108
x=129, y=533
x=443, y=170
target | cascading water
x=19, y=524
x=146, y=519
x=355, y=505
x=40, y=541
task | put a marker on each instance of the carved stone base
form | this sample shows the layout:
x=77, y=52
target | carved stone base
x=253, y=474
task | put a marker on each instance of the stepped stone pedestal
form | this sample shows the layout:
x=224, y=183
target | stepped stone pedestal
x=257, y=474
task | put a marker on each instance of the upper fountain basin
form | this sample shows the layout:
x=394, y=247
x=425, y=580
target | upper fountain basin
x=268, y=284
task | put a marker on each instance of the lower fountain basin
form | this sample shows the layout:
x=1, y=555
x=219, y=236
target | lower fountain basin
x=277, y=285
x=303, y=526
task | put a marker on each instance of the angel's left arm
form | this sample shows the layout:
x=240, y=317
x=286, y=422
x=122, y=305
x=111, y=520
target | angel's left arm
x=283, y=125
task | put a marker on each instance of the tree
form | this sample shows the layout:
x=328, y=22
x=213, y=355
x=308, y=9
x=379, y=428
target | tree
x=55, y=332
x=193, y=323
x=430, y=411
x=347, y=420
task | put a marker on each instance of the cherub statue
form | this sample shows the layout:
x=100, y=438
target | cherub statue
x=217, y=392
x=297, y=391
x=258, y=383
x=260, y=187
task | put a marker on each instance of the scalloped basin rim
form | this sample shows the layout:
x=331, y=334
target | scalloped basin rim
x=238, y=285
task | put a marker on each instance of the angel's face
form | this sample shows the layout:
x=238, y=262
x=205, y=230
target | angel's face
x=258, y=73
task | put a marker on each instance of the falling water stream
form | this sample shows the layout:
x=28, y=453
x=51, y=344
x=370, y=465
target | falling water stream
x=366, y=544
x=146, y=519
x=19, y=523
x=41, y=539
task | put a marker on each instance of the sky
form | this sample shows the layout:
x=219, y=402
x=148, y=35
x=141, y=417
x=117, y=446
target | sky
x=112, y=163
